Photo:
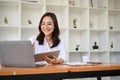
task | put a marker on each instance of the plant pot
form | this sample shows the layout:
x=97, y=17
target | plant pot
x=95, y=47
x=76, y=49
x=111, y=27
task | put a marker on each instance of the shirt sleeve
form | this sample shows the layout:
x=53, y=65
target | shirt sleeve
x=62, y=52
x=32, y=39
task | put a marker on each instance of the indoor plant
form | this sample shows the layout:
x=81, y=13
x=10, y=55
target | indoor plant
x=74, y=22
x=111, y=45
x=95, y=46
x=6, y=20
x=29, y=21
x=77, y=47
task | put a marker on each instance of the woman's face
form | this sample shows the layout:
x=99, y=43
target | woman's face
x=47, y=26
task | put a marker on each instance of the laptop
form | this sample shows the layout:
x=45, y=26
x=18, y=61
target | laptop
x=17, y=54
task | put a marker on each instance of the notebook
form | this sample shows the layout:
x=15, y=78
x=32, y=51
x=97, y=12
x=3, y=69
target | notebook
x=17, y=54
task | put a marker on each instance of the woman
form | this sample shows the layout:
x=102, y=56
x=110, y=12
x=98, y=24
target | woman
x=48, y=39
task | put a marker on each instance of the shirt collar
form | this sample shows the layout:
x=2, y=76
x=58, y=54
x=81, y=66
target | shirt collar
x=46, y=43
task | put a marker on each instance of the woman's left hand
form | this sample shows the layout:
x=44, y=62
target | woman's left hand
x=53, y=60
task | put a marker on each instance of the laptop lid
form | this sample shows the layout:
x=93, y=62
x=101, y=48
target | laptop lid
x=16, y=54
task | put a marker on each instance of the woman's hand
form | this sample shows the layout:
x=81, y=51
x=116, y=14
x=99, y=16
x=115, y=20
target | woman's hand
x=33, y=47
x=53, y=60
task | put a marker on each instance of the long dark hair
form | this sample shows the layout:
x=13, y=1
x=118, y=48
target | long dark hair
x=55, y=34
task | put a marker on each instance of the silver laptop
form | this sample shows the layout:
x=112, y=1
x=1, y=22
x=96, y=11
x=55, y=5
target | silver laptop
x=16, y=54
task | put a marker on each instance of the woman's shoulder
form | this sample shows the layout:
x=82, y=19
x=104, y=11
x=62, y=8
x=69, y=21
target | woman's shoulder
x=33, y=38
x=61, y=42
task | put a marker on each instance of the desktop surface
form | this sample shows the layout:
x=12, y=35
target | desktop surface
x=50, y=69
x=55, y=72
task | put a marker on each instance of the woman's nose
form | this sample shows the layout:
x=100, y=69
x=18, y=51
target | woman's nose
x=46, y=25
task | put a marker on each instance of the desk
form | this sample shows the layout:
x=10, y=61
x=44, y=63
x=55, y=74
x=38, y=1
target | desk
x=55, y=72
x=95, y=71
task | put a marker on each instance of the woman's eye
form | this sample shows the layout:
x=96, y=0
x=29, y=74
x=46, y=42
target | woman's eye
x=46, y=24
x=43, y=24
x=50, y=24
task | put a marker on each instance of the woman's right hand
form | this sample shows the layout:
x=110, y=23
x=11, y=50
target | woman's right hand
x=33, y=47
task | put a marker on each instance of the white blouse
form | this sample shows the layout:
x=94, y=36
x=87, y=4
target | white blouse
x=45, y=48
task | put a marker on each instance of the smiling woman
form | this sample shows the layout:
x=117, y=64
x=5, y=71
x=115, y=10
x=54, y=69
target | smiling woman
x=47, y=28
x=48, y=39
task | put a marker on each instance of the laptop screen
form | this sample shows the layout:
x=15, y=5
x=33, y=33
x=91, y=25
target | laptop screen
x=16, y=54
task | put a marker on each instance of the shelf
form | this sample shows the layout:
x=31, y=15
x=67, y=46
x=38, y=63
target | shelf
x=31, y=12
x=101, y=37
x=99, y=57
x=9, y=33
x=114, y=17
x=78, y=3
x=10, y=11
x=114, y=38
x=77, y=29
x=59, y=11
x=113, y=51
x=7, y=3
x=8, y=26
x=113, y=4
x=81, y=17
x=31, y=5
x=98, y=3
x=79, y=51
x=80, y=23
x=41, y=2
x=26, y=33
x=112, y=29
x=98, y=19
x=80, y=38
x=56, y=2
x=77, y=56
x=98, y=51
x=114, y=57
x=97, y=30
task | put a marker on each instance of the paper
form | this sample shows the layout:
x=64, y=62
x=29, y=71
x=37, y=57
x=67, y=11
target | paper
x=76, y=63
